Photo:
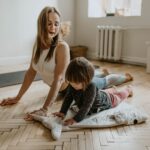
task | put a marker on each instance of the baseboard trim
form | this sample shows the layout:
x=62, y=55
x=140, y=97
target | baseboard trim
x=13, y=78
x=134, y=60
x=127, y=60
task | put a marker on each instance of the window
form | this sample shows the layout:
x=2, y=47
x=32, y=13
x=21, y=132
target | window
x=102, y=8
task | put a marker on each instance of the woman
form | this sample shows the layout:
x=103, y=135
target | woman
x=50, y=58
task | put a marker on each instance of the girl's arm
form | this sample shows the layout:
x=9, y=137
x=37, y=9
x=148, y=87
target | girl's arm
x=66, y=104
x=29, y=77
x=67, y=101
x=88, y=100
x=62, y=59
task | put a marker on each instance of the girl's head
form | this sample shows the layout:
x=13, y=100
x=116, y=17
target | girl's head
x=79, y=73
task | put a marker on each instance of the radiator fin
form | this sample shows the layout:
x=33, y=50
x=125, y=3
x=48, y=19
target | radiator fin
x=109, y=42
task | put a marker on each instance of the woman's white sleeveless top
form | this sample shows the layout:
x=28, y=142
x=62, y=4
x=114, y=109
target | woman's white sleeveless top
x=45, y=68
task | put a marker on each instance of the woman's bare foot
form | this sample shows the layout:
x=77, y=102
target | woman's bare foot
x=128, y=77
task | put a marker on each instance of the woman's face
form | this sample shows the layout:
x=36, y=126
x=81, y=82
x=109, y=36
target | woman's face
x=76, y=86
x=53, y=24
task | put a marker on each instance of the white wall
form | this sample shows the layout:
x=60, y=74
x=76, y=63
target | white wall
x=19, y=25
x=136, y=35
x=18, y=29
x=67, y=9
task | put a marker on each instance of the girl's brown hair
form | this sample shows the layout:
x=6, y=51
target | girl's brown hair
x=80, y=70
x=42, y=40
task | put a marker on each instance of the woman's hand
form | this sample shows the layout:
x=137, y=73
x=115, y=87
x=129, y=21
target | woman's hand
x=69, y=122
x=59, y=114
x=9, y=101
x=40, y=112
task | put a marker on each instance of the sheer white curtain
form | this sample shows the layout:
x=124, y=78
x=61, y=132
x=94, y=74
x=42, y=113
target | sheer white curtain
x=135, y=7
x=96, y=8
x=99, y=8
x=124, y=7
x=119, y=7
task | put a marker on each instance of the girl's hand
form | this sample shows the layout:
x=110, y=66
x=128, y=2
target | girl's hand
x=59, y=114
x=69, y=122
x=9, y=101
x=40, y=112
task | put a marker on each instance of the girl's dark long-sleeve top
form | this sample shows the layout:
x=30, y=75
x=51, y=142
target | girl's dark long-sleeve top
x=90, y=100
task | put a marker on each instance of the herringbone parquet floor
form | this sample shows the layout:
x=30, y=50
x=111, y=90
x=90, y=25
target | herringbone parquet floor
x=17, y=134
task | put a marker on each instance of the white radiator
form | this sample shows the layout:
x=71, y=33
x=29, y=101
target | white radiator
x=109, y=42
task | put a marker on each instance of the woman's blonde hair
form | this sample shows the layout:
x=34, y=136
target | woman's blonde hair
x=80, y=70
x=42, y=40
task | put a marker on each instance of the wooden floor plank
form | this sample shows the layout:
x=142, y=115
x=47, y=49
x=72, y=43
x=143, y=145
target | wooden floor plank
x=96, y=142
x=67, y=145
x=81, y=142
x=88, y=140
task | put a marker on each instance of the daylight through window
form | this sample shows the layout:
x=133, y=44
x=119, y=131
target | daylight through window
x=102, y=8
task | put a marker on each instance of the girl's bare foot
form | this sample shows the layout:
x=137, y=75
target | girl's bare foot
x=128, y=77
x=130, y=90
x=105, y=72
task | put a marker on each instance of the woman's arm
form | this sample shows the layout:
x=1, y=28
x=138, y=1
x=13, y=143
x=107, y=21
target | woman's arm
x=28, y=79
x=62, y=59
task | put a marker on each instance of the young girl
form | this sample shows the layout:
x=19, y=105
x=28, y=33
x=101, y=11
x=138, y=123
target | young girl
x=83, y=93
